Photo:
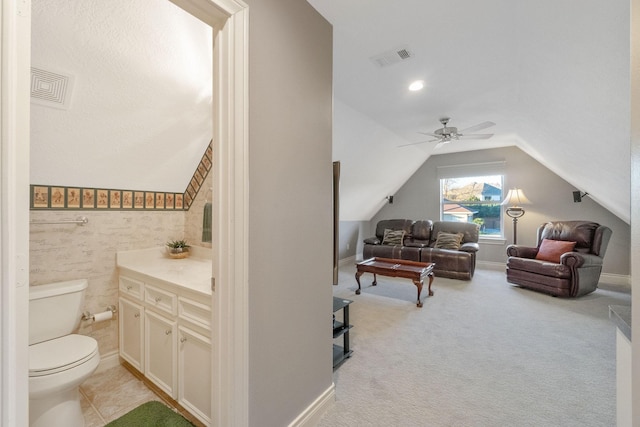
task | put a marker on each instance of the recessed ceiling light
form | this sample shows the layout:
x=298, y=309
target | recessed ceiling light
x=417, y=85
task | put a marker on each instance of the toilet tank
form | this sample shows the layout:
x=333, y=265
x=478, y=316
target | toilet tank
x=55, y=309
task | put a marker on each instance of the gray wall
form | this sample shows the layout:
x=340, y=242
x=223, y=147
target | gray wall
x=290, y=202
x=550, y=195
x=350, y=233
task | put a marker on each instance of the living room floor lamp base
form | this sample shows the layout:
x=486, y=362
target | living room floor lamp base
x=515, y=198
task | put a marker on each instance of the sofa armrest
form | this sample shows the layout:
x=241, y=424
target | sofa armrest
x=521, y=251
x=470, y=247
x=577, y=259
x=372, y=241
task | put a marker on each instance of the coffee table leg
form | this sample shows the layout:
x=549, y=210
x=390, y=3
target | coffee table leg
x=375, y=280
x=430, y=281
x=418, y=284
x=358, y=274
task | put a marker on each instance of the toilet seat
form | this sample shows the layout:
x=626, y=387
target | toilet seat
x=60, y=354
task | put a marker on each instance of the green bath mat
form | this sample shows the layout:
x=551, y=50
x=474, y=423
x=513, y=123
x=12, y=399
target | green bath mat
x=151, y=414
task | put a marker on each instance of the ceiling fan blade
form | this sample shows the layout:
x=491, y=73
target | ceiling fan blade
x=477, y=136
x=429, y=134
x=478, y=127
x=439, y=144
x=419, y=142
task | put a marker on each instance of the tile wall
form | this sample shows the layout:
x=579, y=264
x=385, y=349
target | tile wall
x=59, y=252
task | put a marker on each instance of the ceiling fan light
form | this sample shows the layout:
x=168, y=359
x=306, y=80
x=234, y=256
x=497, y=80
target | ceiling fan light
x=416, y=86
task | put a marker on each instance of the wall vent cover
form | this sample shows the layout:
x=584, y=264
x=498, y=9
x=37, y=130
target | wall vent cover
x=393, y=56
x=51, y=89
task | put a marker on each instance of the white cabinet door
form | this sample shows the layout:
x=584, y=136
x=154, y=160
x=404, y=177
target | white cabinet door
x=194, y=359
x=161, y=352
x=131, y=323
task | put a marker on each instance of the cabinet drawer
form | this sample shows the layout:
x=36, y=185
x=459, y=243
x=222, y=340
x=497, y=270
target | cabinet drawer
x=194, y=312
x=132, y=287
x=160, y=299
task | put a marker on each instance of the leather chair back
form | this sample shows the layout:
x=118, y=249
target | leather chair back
x=590, y=237
x=421, y=230
x=470, y=230
x=393, y=224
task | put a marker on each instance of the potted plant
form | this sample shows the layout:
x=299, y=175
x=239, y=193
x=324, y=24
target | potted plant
x=178, y=249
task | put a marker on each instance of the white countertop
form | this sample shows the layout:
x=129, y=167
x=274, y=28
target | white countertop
x=192, y=273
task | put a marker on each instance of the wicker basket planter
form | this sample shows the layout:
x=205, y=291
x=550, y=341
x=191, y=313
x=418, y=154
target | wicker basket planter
x=178, y=249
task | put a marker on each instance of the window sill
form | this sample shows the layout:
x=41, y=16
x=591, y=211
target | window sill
x=492, y=241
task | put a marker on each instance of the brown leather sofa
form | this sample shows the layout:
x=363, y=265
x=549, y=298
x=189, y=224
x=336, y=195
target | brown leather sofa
x=575, y=273
x=420, y=242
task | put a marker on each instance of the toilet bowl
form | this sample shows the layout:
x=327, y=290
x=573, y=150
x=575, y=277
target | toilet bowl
x=59, y=361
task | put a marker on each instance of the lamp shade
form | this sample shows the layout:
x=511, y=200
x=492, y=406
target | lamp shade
x=515, y=197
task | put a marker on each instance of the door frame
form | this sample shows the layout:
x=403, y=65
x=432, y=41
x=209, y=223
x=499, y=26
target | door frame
x=15, y=53
x=230, y=309
x=229, y=20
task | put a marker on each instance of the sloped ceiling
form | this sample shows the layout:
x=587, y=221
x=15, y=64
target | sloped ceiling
x=553, y=75
x=141, y=106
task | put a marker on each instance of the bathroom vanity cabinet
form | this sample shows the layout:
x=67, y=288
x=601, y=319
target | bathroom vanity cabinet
x=131, y=323
x=165, y=333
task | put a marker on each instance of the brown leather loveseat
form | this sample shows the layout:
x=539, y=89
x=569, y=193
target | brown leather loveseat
x=454, y=253
x=567, y=259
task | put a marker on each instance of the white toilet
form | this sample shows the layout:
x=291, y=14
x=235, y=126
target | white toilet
x=59, y=361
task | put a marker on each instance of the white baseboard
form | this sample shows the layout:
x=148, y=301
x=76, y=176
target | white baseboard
x=108, y=360
x=345, y=261
x=311, y=416
x=616, y=279
x=491, y=265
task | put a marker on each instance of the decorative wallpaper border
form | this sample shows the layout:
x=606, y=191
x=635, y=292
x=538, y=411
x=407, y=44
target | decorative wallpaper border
x=57, y=197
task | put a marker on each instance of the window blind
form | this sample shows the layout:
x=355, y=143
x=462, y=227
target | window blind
x=471, y=169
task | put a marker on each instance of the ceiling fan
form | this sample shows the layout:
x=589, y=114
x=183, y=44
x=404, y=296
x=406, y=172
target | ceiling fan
x=448, y=134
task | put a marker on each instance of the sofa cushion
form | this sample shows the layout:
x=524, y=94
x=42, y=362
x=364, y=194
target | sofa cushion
x=391, y=251
x=449, y=240
x=393, y=237
x=534, y=266
x=552, y=250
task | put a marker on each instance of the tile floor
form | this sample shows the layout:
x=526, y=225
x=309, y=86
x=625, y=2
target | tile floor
x=113, y=392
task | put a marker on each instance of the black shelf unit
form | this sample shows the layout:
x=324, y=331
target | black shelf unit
x=341, y=329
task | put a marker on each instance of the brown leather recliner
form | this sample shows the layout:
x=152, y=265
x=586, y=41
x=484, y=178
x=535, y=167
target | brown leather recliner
x=577, y=272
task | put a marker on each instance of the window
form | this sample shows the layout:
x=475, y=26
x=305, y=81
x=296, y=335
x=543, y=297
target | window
x=473, y=199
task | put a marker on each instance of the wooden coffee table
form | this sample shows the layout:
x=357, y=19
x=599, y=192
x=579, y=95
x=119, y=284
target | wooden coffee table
x=413, y=270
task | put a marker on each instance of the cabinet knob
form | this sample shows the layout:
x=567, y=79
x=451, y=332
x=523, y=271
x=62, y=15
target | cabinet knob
x=136, y=315
x=167, y=332
x=158, y=299
x=183, y=339
x=129, y=287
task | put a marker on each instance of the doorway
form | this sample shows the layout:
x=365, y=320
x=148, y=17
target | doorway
x=229, y=19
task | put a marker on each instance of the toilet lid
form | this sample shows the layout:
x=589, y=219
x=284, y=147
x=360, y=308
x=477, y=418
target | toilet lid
x=60, y=354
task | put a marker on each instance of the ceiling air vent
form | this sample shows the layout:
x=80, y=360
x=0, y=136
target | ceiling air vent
x=51, y=89
x=393, y=56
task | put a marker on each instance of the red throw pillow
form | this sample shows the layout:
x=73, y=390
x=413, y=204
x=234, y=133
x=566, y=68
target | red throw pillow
x=551, y=250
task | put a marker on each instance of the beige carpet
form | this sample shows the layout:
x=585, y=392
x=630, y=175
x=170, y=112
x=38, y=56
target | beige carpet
x=479, y=353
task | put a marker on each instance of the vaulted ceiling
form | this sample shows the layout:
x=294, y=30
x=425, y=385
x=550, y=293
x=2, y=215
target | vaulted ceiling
x=552, y=74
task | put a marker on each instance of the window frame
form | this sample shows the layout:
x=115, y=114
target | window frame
x=478, y=178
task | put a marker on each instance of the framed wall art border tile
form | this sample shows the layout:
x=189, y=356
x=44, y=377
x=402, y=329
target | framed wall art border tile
x=59, y=197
